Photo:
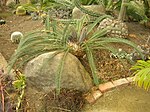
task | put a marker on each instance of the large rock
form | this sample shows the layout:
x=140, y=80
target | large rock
x=77, y=13
x=42, y=76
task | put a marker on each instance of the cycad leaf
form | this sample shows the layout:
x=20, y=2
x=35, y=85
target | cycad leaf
x=99, y=19
x=92, y=65
x=59, y=72
x=120, y=40
x=80, y=24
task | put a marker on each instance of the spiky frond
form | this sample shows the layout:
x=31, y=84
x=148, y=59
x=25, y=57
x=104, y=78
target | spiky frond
x=142, y=74
x=84, y=10
x=60, y=70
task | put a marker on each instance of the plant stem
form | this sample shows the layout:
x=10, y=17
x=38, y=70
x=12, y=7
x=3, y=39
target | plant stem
x=122, y=11
x=2, y=97
x=20, y=100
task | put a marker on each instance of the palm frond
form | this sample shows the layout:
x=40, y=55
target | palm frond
x=142, y=74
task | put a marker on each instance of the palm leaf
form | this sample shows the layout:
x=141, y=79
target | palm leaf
x=142, y=74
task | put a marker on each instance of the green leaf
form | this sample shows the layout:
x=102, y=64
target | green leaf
x=142, y=74
x=99, y=19
x=92, y=65
x=59, y=72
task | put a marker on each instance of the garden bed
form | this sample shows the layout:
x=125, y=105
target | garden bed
x=109, y=68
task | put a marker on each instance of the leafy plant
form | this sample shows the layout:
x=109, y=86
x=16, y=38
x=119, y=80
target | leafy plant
x=137, y=10
x=38, y=7
x=142, y=73
x=77, y=3
x=2, y=91
x=111, y=5
x=9, y=89
x=6, y=89
x=80, y=38
x=45, y=5
x=19, y=84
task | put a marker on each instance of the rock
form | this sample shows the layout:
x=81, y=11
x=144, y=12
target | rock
x=4, y=65
x=41, y=79
x=77, y=14
x=20, y=11
x=74, y=75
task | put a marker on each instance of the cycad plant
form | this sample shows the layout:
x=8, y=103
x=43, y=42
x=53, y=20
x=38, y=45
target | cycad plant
x=78, y=38
x=142, y=73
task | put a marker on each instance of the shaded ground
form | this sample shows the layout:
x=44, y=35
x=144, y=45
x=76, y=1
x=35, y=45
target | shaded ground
x=124, y=99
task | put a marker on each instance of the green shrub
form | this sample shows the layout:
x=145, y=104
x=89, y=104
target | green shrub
x=142, y=73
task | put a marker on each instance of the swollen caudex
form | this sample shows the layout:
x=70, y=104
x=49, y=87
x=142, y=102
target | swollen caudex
x=16, y=37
